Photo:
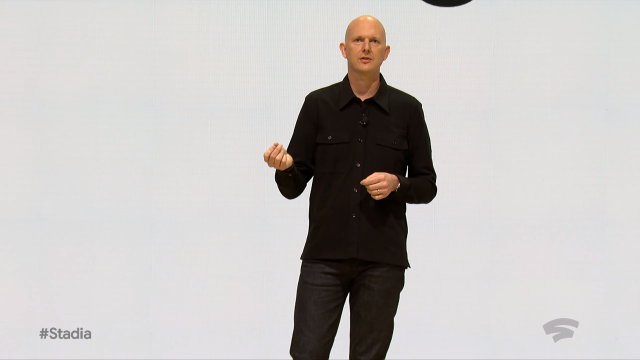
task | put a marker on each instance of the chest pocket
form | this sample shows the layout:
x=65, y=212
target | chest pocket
x=332, y=152
x=391, y=153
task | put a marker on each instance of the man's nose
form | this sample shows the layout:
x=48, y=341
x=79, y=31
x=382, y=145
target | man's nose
x=367, y=45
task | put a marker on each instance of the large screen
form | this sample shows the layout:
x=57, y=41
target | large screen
x=137, y=213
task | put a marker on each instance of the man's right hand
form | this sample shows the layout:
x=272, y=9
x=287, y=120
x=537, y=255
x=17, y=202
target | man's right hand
x=276, y=157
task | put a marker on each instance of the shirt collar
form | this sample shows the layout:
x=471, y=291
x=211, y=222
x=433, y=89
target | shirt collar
x=381, y=97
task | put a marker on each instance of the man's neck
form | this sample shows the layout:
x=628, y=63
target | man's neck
x=364, y=86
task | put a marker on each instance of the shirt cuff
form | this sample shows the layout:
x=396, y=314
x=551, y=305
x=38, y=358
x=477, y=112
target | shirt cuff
x=287, y=174
x=404, y=186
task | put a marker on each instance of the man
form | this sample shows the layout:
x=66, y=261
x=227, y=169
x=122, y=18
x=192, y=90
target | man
x=355, y=136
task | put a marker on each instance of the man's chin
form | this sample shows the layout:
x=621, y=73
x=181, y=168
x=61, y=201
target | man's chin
x=367, y=69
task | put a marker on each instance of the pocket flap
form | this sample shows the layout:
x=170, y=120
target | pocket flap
x=332, y=138
x=392, y=141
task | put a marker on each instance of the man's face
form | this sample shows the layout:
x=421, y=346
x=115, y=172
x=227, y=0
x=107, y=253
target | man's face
x=365, y=46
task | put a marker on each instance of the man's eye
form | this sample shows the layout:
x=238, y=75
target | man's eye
x=358, y=40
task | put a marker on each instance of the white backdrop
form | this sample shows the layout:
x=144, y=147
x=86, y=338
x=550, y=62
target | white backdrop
x=134, y=201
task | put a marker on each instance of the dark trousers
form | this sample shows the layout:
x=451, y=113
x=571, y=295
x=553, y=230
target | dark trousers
x=323, y=287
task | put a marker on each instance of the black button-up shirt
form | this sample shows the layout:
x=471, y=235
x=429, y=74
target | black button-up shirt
x=340, y=140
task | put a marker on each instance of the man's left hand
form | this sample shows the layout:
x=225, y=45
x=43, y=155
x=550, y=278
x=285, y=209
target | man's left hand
x=380, y=184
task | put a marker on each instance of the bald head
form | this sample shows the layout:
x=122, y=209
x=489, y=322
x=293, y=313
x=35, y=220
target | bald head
x=365, y=47
x=365, y=21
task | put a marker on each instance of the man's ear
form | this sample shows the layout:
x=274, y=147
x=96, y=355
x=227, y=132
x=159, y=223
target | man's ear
x=386, y=52
x=343, y=50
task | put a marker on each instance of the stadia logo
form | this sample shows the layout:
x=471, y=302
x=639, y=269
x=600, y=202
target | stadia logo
x=556, y=327
x=447, y=3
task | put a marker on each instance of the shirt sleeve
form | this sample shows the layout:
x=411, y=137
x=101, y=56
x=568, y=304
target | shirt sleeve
x=293, y=181
x=419, y=187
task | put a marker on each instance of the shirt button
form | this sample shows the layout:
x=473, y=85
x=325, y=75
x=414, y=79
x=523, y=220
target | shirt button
x=393, y=142
x=360, y=140
x=355, y=190
x=357, y=164
x=353, y=215
x=329, y=137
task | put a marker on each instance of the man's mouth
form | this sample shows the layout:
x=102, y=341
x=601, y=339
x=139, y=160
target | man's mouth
x=365, y=59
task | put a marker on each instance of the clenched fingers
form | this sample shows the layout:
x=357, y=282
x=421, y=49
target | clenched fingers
x=273, y=157
x=279, y=157
x=373, y=179
x=381, y=187
x=267, y=153
x=379, y=194
x=377, y=186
